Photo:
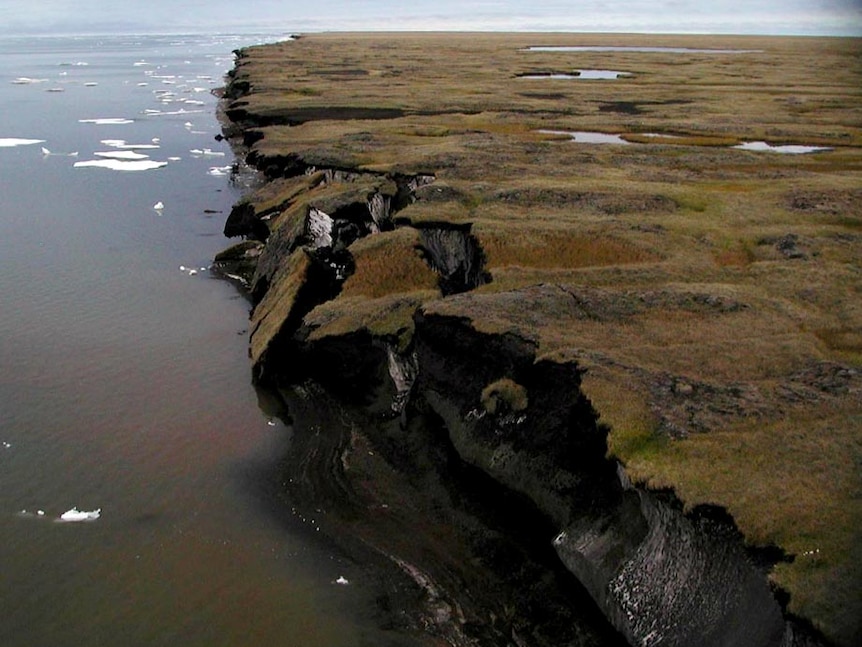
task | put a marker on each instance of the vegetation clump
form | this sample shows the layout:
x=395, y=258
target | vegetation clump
x=504, y=396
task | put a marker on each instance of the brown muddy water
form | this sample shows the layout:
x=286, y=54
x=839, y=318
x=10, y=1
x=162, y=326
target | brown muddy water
x=125, y=384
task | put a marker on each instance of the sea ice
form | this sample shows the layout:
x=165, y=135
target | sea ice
x=9, y=142
x=26, y=80
x=342, y=580
x=109, y=121
x=122, y=155
x=80, y=515
x=123, y=144
x=121, y=165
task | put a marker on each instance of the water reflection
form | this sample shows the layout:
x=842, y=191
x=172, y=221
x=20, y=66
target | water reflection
x=585, y=137
x=614, y=48
x=787, y=149
x=580, y=74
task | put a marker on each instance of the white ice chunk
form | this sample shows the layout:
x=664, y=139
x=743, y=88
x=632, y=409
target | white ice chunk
x=159, y=205
x=122, y=155
x=9, y=142
x=124, y=145
x=26, y=80
x=342, y=580
x=121, y=165
x=108, y=121
x=80, y=515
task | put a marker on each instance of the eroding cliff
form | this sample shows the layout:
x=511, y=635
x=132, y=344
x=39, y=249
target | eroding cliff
x=447, y=346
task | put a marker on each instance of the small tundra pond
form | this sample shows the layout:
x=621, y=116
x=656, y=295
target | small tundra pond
x=579, y=74
x=585, y=137
x=610, y=48
x=787, y=149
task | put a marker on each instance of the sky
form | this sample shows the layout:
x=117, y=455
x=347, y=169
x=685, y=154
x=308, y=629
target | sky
x=781, y=17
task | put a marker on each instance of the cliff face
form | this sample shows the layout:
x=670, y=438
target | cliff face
x=431, y=309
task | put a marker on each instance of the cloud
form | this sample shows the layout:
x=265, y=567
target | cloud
x=842, y=17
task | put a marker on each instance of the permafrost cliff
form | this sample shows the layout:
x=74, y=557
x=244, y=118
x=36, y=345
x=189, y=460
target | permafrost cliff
x=455, y=453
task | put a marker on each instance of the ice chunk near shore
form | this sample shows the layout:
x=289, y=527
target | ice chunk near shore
x=9, y=142
x=121, y=165
x=75, y=515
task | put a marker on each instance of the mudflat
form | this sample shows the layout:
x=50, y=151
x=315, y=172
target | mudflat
x=689, y=233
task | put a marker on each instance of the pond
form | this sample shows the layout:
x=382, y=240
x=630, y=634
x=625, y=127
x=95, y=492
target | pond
x=787, y=149
x=579, y=74
x=649, y=50
x=586, y=137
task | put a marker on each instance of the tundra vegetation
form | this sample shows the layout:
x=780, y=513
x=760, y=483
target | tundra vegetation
x=713, y=295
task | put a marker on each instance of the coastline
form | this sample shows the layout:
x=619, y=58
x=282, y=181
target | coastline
x=411, y=369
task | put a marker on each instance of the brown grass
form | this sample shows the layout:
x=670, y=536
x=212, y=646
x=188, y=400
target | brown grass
x=388, y=263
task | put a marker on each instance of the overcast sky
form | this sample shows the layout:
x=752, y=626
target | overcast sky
x=809, y=17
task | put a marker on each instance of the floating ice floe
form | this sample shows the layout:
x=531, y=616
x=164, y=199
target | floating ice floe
x=26, y=80
x=219, y=170
x=159, y=205
x=190, y=270
x=789, y=149
x=342, y=580
x=55, y=90
x=46, y=153
x=6, y=445
x=124, y=145
x=174, y=159
x=122, y=155
x=108, y=121
x=206, y=151
x=121, y=165
x=74, y=515
x=9, y=142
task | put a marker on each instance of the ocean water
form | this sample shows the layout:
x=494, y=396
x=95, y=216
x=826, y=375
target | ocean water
x=125, y=386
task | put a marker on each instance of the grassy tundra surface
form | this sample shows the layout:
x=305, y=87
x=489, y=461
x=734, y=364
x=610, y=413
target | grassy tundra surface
x=713, y=294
